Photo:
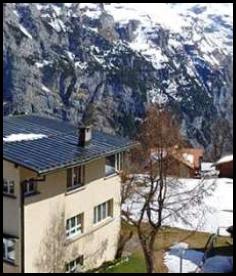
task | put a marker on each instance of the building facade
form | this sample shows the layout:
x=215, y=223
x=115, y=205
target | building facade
x=225, y=166
x=63, y=216
x=182, y=162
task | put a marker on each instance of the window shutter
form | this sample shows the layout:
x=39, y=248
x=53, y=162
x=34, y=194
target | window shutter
x=78, y=175
x=69, y=177
x=110, y=208
x=121, y=160
x=83, y=175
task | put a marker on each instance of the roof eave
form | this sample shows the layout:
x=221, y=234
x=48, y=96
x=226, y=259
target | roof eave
x=72, y=164
x=85, y=161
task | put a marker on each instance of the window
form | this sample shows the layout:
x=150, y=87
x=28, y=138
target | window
x=119, y=161
x=103, y=211
x=113, y=164
x=75, y=177
x=8, y=187
x=75, y=266
x=30, y=187
x=110, y=167
x=74, y=226
x=8, y=250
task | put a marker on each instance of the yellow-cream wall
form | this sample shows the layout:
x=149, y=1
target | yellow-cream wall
x=11, y=206
x=98, y=242
x=8, y=268
x=11, y=214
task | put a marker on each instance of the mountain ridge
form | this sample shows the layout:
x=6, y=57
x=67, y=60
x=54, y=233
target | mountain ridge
x=75, y=59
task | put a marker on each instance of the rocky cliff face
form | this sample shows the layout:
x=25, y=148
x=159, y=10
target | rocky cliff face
x=109, y=60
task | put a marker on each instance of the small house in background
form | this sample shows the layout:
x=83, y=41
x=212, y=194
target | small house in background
x=225, y=166
x=187, y=162
x=182, y=162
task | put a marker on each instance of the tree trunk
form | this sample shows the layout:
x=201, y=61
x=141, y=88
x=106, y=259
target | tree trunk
x=149, y=260
x=121, y=245
x=119, y=252
x=148, y=250
x=150, y=264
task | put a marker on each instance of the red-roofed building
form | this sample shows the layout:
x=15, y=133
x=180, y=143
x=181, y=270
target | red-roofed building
x=187, y=162
x=184, y=162
x=225, y=166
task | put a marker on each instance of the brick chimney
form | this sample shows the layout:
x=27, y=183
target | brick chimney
x=85, y=135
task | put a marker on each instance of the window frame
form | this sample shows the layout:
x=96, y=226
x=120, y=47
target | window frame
x=8, y=187
x=103, y=211
x=72, y=267
x=79, y=176
x=77, y=228
x=6, y=253
x=27, y=189
x=118, y=163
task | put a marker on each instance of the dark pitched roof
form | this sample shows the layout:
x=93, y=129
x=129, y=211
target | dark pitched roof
x=60, y=148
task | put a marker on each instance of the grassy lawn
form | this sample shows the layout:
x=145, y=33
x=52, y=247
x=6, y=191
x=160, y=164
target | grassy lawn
x=135, y=264
x=166, y=238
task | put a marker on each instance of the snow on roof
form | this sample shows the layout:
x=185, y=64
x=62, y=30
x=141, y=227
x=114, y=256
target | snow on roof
x=19, y=137
x=225, y=159
x=188, y=157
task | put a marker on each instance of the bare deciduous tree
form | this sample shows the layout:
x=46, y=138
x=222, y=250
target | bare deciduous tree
x=147, y=203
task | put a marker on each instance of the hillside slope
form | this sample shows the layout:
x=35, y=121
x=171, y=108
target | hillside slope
x=109, y=60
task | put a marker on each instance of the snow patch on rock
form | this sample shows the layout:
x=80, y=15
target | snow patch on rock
x=25, y=32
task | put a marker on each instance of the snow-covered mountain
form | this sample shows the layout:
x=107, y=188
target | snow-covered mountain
x=109, y=60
